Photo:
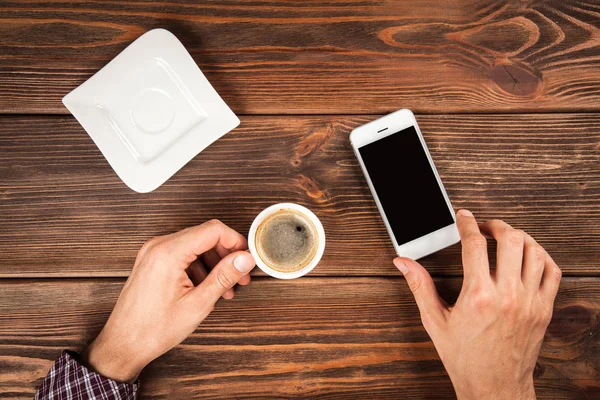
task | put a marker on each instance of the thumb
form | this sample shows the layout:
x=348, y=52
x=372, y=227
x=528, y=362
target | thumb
x=224, y=276
x=430, y=304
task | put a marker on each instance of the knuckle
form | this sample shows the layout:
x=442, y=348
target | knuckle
x=547, y=317
x=415, y=283
x=214, y=222
x=482, y=300
x=521, y=232
x=557, y=272
x=153, y=249
x=514, y=236
x=224, y=280
x=497, y=222
x=159, y=249
x=476, y=240
x=510, y=303
x=540, y=253
x=543, y=317
x=529, y=314
x=148, y=245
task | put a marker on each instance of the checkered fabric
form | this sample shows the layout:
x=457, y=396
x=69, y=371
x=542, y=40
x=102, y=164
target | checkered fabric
x=69, y=380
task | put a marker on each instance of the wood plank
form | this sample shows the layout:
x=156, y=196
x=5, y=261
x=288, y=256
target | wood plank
x=64, y=212
x=326, y=337
x=335, y=57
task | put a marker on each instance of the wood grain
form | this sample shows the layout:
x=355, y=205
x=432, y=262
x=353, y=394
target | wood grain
x=346, y=331
x=326, y=337
x=64, y=212
x=321, y=57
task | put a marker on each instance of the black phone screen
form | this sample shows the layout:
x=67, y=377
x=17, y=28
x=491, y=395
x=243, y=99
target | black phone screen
x=406, y=186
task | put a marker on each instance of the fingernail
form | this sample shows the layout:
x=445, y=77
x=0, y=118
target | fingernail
x=465, y=213
x=401, y=266
x=244, y=263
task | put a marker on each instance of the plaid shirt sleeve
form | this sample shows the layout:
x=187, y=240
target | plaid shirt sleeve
x=69, y=380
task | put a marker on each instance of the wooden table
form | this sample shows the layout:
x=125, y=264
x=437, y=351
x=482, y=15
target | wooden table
x=508, y=97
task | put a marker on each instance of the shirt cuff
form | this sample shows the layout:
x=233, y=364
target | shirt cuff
x=68, y=379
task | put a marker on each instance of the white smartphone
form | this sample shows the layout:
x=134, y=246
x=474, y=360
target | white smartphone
x=405, y=184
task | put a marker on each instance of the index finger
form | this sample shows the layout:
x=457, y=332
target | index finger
x=474, y=247
x=194, y=241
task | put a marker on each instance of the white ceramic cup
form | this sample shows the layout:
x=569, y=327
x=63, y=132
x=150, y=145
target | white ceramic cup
x=320, y=240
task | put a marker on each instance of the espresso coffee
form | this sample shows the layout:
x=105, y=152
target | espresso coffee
x=286, y=241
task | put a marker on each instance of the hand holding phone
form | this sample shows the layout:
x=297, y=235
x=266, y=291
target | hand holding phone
x=406, y=187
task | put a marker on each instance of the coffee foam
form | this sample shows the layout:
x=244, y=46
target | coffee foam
x=286, y=241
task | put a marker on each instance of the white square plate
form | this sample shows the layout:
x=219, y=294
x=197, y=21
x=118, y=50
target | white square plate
x=150, y=110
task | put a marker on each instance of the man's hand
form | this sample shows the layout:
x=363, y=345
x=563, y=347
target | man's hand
x=168, y=294
x=490, y=339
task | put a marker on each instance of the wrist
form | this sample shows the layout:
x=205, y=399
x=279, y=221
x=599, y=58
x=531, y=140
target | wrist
x=523, y=391
x=111, y=361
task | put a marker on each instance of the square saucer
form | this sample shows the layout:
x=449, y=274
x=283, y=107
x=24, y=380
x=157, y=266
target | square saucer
x=150, y=110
